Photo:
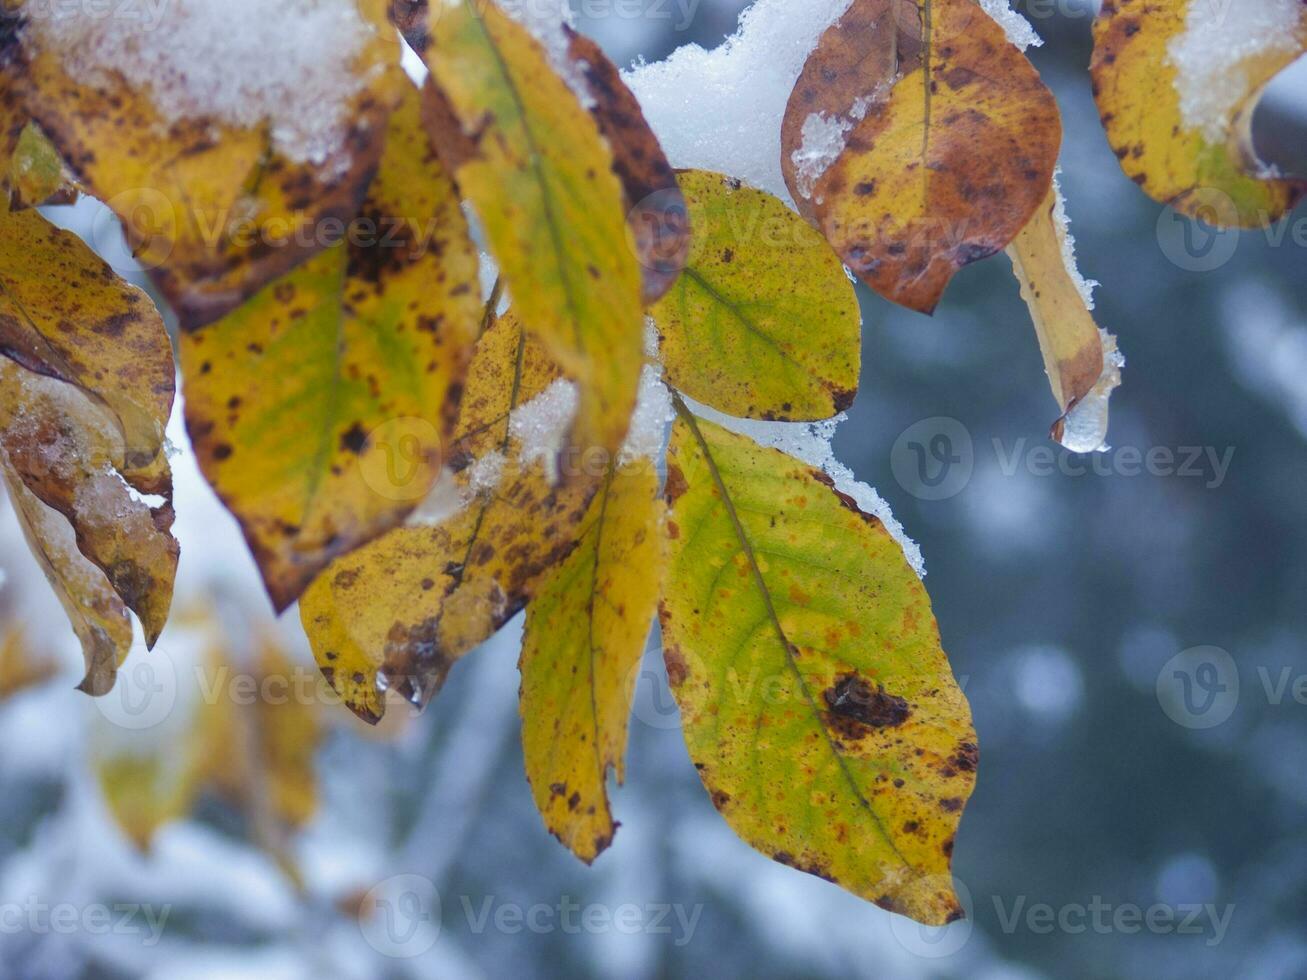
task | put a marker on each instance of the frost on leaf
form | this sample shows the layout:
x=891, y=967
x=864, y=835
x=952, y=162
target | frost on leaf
x=398, y=613
x=816, y=702
x=1081, y=360
x=1177, y=82
x=222, y=137
x=319, y=409
x=950, y=145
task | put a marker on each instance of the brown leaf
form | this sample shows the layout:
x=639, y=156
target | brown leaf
x=950, y=140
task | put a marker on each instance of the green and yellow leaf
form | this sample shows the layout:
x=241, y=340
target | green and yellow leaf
x=1176, y=84
x=763, y=322
x=318, y=410
x=532, y=162
x=950, y=140
x=213, y=210
x=585, y=633
x=399, y=612
x=816, y=701
x=36, y=175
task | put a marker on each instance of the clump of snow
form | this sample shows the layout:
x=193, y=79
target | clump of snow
x=484, y=474
x=541, y=425
x=1085, y=287
x=546, y=19
x=1210, y=54
x=1019, y=30
x=647, y=437
x=823, y=142
x=721, y=109
x=811, y=443
x=243, y=63
x=1084, y=428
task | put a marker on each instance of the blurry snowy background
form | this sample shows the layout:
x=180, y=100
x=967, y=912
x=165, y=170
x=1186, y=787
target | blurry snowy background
x=1123, y=824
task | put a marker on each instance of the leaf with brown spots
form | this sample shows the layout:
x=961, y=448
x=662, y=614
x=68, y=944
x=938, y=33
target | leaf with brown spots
x=319, y=409
x=85, y=392
x=763, y=322
x=585, y=633
x=1081, y=360
x=96, y=613
x=66, y=451
x=66, y=315
x=213, y=210
x=399, y=612
x=949, y=142
x=816, y=702
x=533, y=164
x=1177, y=82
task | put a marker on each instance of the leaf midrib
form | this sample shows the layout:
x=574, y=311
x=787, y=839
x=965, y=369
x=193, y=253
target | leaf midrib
x=746, y=547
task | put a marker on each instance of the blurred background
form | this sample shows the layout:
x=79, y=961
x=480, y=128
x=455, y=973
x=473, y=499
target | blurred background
x=1131, y=631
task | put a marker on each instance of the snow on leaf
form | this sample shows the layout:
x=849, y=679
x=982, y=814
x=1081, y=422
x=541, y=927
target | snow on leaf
x=271, y=117
x=762, y=322
x=1081, y=360
x=1177, y=82
x=319, y=408
x=397, y=613
x=816, y=702
x=953, y=151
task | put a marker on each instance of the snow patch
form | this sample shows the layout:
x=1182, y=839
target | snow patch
x=721, y=109
x=647, y=437
x=1085, y=287
x=1084, y=428
x=1210, y=54
x=545, y=20
x=541, y=425
x=242, y=63
x=1019, y=30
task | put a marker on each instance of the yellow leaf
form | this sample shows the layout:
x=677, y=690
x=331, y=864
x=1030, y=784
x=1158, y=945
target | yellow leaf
x=318, y=409
x=214, y=209
x=816, y=702
x=532, y=162
x=950, y=142
x=763, y=322
x=585, y=633
x=1184, y=135
x=143, y=792
x=97, y=614
x=117, y=351
x=1078, y=357
x=397, y=613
